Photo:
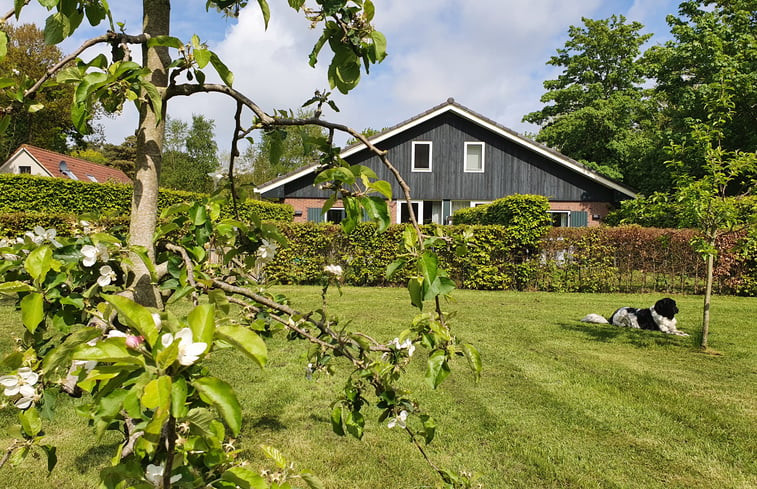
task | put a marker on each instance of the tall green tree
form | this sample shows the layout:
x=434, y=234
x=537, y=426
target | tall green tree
x=595, y=105
x=189, y=155
x=713, y=40
x=27, y=58
x=710, y=200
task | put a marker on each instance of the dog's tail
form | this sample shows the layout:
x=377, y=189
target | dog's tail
x=595, y=318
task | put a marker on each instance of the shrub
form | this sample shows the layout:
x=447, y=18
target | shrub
x=28, y=193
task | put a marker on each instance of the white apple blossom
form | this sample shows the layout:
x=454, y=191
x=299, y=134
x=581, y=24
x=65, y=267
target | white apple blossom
x=154, y=475
x=407, y=344
x=22, y=383
x=334, y=270
x=107, y=275
x=266, y=251
x=93, y=254
x=400, y=420
x=40, y=235
x=189, y=351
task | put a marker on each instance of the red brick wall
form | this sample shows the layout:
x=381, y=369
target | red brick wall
x=592, y=208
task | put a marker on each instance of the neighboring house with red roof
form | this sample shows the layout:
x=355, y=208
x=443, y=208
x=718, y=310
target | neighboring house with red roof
x=37, y=161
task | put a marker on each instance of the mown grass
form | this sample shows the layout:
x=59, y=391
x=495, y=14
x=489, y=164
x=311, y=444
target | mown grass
x=560, y=403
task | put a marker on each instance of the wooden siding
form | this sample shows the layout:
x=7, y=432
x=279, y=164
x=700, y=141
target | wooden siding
x=509, y=168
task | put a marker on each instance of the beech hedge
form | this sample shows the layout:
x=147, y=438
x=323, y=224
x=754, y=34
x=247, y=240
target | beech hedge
x=623, y=259
x=29, y=193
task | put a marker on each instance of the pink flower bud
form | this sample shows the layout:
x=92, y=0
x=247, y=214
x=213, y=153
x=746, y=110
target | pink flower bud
x=133, y=342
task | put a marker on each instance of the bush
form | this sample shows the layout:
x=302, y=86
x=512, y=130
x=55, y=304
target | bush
x=27, y=193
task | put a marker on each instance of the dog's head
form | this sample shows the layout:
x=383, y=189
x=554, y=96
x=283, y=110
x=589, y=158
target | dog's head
x=666, y=307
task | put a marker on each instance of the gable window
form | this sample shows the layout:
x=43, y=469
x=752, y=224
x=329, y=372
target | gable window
x=474, y=157
x=421, y=156
x=25, y=169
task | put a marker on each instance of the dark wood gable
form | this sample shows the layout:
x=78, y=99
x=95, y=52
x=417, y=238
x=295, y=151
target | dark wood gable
x=509, y=167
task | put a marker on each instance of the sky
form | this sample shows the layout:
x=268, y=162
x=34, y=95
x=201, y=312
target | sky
x=489, y=55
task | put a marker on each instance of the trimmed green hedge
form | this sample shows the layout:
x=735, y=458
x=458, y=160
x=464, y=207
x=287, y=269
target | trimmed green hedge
x=27, y=193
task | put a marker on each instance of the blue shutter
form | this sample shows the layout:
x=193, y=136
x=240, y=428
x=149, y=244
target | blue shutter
x=579, y=219
x=315, y=214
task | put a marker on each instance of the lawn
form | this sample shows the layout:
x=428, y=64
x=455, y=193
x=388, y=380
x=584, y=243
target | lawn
x=560, y=403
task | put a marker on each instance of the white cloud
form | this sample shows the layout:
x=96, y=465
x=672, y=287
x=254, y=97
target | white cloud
x=489, y=55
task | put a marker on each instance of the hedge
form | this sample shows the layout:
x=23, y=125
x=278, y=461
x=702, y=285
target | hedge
x=624, y=259
x=28, y=193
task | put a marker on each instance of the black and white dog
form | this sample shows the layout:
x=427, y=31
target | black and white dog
x=660, y=317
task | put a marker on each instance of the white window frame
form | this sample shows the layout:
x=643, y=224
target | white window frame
x=567, y=218
x=465, y=156
x=326, y=214
x=430, y=157
x=476, y=203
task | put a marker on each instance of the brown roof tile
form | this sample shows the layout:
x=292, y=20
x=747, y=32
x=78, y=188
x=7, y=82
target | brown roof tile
x=81, y=168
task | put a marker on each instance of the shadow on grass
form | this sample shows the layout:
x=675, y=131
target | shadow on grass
x=94, y=457
x=267, y=422
x=639, y=338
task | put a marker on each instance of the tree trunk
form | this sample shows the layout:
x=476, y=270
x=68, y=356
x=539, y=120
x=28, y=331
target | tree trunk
x=150, y=134
x=707, y=300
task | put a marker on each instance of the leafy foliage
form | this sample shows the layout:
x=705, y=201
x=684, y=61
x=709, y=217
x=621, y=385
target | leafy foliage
x=22, y=193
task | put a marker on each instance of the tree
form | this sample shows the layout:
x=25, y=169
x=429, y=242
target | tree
x=595, y=105
x=143, y=366
x=27, y=58
x=189, y=155
x=122, y=156
x=711, y=40
x=709, y=199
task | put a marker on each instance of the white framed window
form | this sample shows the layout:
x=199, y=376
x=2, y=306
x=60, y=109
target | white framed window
x=426, y=211
x=560, y=219
x=25, y=169
x=335, y=215
x=474, y=157
x=421, y=157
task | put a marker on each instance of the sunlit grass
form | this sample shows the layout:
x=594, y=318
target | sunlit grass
x=560, y=403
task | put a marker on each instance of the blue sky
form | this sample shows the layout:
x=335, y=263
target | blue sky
x=489, y=55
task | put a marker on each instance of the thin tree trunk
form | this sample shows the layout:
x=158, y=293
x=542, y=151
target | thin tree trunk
x=156, y=21
x=707, y=300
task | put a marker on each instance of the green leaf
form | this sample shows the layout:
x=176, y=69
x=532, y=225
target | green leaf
x=30, y=421
x=52, y=457
x=156, y=101
x=355, y=422
x=14, y=287
x=474, y=359
x=169, y=41
x=223, y=71
x=377, y=210
x=383, y=187
x=202, y=56
x=244, y=478
x=379, y=46
x=221, y=396
x=143, y=255
x=135, y=316
x=3, y=44
x=57, y=28
x=429, y=427
x=32, y=311
x=202, y=322
x=245, y=340
x=438, y=369
x=112, y=350
x=39, y=262
x=369, y=10
x=157, y=393
x=392, y=268
x=61, y=355
x=415, y=287
x=266, y=10
x=336, y=420
x=179, y=398
x=312, y=481
x=274, y=454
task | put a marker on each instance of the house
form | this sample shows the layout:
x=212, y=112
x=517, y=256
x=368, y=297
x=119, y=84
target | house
x=452, y=157
x=37, y=161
